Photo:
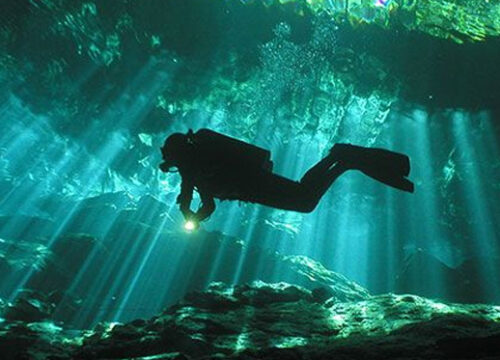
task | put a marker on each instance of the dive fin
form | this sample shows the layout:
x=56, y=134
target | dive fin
x=394, y=180
x=388, y=167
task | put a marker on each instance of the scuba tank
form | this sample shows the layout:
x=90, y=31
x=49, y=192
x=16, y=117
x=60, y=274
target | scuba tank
x=231, y=151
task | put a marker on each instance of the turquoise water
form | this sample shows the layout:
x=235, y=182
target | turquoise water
x=90, y=90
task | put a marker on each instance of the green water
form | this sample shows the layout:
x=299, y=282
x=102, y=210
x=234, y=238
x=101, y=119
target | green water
x=90, y=90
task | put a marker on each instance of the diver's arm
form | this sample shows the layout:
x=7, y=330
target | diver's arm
x=207, y=207
x=185, y=197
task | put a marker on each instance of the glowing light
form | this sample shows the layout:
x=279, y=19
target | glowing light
x=190, y=225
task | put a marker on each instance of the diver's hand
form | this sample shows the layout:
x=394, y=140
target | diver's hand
x=189, y=214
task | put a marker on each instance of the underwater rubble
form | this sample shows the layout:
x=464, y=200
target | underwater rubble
x=273, y=321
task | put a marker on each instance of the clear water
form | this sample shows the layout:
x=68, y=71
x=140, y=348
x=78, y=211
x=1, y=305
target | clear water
x=90, y=90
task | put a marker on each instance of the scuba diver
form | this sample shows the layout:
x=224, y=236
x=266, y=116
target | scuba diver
x=221, y=167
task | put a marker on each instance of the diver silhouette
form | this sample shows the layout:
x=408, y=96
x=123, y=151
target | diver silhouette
x=221, y=167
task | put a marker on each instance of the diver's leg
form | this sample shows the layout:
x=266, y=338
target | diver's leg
x=279, y=192
x=276, y=191
x=317, y=187
x=318, y=171
x=305, y=194
x=315, y=183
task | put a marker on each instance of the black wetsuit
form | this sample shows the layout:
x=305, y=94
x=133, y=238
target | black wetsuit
x=225, y=173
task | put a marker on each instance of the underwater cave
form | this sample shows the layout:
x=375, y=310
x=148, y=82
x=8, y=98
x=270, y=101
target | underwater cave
x=96, y=261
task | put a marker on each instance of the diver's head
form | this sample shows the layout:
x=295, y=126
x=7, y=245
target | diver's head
x=174, y=149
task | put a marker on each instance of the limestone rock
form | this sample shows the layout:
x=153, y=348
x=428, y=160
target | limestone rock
x=280, y=321
x=273, y=321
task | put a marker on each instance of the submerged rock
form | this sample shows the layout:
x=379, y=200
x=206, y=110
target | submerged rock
x=277, y=321
x=334, y=284
x=37, y=340
x=29, y=306
x=274, y=321
x=459, y=283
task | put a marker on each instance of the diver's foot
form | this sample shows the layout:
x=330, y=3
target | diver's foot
x=342, y=154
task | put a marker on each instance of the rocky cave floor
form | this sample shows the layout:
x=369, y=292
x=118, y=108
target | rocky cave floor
x=272, y=321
